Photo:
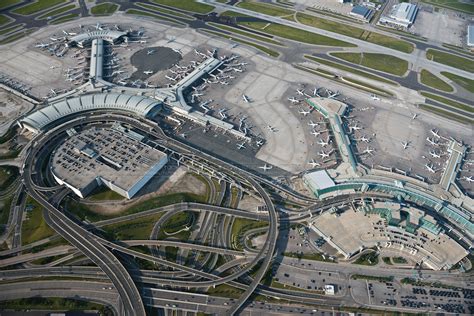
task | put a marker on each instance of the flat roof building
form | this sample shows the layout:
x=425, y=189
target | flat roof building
x=470, y=35
x=105, y=156
x=361, y=13
x=401, y=15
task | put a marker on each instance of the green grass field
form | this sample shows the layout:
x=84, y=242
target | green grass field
x=265, y=8
x=104, y=194
x=446, y=114
x=450, y=102
x=463, y=6
x=355, y=32
x=7, y=3
x=64, y=18
x=165, y=11
x=105, y=8
x=7, y=176
x=5, y=209
x=295, y=34
x=430, y=80
x=10, y=29
x=466, y=83
x=349, y=69
x=139, y=228
x=381, y=62
x=156, y=16
x=242, y=225
x=245, y=33
x=57, y=11
x=264, y=49
x=368, y=259
x=34, y=228
x=450, y=60
x=189, y=5
x=4, y=19
x=37, y=6
x=59, y=304
x=9, y=39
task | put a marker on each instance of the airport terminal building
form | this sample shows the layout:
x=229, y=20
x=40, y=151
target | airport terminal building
x=401, y=15
x=105, y=156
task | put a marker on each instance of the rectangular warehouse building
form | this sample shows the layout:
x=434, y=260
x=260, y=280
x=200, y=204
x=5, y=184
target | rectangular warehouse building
x=401, y=15
x=470, y=36
x=109, y=157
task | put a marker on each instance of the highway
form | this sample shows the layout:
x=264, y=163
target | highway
x=84, y=240
x=417, y=58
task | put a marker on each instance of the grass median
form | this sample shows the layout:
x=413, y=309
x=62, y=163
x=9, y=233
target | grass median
x=39, y=5
x=34, y=228
x=190, y=5
x=106, y=8
x=450, y=60
x=349, y=69
x=465, y=83
x=265, y=8
x=57, y=11
x=450, y=102
x=446, y=114
x=381, y=62
x=430, y=80
x=245, y=33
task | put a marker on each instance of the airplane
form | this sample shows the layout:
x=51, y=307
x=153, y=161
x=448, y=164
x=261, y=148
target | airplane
x=332, y=95
x=312, y=124
x=364, y=139
x=54, y=39
x=52, y=67
x=430, y=168
x=375, y=97
x=323, y=143
x=148, y=85
x=266, y=167
x=170, y=78
x=300, y=91
x=405, y=145
x=117, y=27
x=271, y=128
x=355, y=127
x=314, y=164
x=315, y=91
x=142, y=42
x=293, y=100
x=259, y=143
x=54, y=91
x=69, y=33
x=98, y=27
x=324, y=154
x=435, y=133
x=148, y=72
x=245, y=98
x=434, y=154
x=41, y=45
x=303, y=112
x=184, y=135
x=415, y=115
x=431, y=141
x=315, y=133
x=237, y=70
x=176, y=50
x=224, y=83
x=468, y=179
x=369, y=150
x=241, y=145
x=150, y=51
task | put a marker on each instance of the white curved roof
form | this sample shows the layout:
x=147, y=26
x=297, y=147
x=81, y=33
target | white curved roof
x=134, y=104
x=108, y=35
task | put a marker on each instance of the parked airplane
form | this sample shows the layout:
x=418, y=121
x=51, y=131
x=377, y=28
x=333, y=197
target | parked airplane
x=293, y=100
x=364, y=139
x=435, y=133
x=69, y=33
x=431, y=141
x=41, y=45
x=312, y=124
x=259, y=142
x=315, y=133
x=241, y=145
x=304, y=112
x=266, y=167
x=369, y=151
x=176, y=50
x=314, y=164
x=245, y=98
x=323, y=143
x=184, y=135
x=468, y=179
x=375, y=97
x=434, y=154
x=300, y=91
x=148, y=72
x=150, y=51
x=355, y=127
x=430, y=168
x=98, y=27
x=271, y=128
x=415, y=115
x=170, y=78
x=323, y=154
x=237, y=69
x=405, y=145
